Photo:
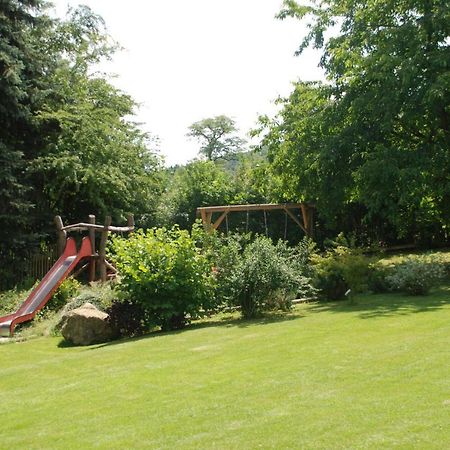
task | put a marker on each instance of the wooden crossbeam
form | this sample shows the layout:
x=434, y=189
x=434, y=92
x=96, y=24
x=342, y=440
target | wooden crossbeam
x=295, y=219
x=252, y=207
x=89, y=226
x=216, y=224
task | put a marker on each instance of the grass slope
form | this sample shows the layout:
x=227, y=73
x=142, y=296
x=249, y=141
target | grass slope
x=374, y=374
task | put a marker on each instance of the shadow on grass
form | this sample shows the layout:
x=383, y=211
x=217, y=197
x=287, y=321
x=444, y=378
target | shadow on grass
x=381, y=305
x=214, y=321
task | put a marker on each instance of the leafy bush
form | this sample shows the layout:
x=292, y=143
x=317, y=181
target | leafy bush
x=332, y=284
x=67, y=290
x=339, y=269
x=416, y=275
x=443, y=259
x=101, y=295
x=11, y=300
x=261, y=276
x=225, y=255
x=166, y=274
x=377, y=281
x=127, y=318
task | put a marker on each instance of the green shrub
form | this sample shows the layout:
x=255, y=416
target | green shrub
x=101, y=295
x=127, y=318
x=226, y=260
x=377, y=281
x=261, y=276
x=332, y=284
x=164, y=272
x=416, y=275
x=443, y=259
x=339, y=269
x=11, y=300
x=67, y=290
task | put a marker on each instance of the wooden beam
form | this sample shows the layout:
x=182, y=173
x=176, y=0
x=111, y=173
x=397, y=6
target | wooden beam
x=110, y=266
x=62, y=235
x=203, y=215
x=308, y=219
x=87, y=226
x=216, y=224
x=130, y=222
x=295, y=219
x=102, y=249
x=92, y=239
x=208, y=219
x=252, y=207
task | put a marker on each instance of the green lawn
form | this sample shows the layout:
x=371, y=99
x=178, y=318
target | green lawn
x=373, y=374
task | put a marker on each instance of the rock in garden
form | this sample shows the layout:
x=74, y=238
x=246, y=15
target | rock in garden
x=86, y=325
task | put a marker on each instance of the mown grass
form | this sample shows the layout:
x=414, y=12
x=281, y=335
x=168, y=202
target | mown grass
x=372, y=374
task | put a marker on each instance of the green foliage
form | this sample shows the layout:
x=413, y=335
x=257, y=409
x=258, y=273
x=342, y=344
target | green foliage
x=11, y=299
x=261, y=276
x=98, y=161
x=225, y=254
x=200, y=183
x=127, y=318
x=341, y=268
x=377, y=281
x=95, y=159
x=253, y=181
x=375, y=138
x=331, y=283
x=164, y=272
x=66, y=291
x=67, y=145
x=99, y=294
x=416, y=275
x=21, y=78
x=217, y=137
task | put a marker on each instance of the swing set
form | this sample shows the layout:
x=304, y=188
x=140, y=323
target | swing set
x=305, y=222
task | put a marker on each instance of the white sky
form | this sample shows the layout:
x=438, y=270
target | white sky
x=184, y=61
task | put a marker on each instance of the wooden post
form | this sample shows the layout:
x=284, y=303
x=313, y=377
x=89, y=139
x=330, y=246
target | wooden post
x=92, y=239
x=208, y=221
x=130, y=220
x=203, y=214
x=62, y=235
x=311, y=222
x=308, y=219
x=102, y=249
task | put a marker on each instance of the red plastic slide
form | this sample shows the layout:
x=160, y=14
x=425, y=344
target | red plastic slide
x=42, y=293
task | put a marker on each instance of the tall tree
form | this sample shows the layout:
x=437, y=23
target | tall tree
x=217, y=136
x=384, y=139
x=67, y=144
x=21, y=76
x=95, y=159
x=199, y=183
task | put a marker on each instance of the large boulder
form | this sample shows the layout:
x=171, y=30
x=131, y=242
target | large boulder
x=86, y=325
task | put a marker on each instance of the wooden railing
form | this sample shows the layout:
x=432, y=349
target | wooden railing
x=39, y=263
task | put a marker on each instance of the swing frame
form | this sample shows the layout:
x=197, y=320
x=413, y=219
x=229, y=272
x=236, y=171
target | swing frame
x=305, y=222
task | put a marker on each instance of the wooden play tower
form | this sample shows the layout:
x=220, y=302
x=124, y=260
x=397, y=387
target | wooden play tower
x=97, y=260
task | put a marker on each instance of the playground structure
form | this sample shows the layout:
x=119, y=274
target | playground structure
x=65, y=265
x=306, y=212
